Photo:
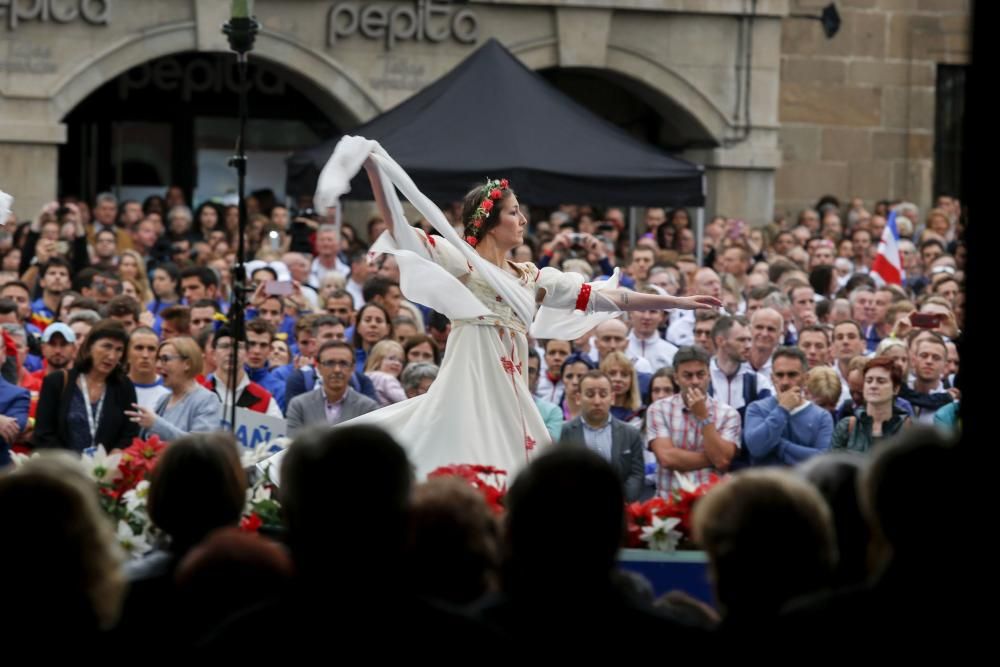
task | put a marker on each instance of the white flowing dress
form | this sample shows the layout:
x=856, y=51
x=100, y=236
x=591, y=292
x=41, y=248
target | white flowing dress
x=479, y=409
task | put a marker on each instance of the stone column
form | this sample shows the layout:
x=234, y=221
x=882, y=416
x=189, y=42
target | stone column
x=29, y=163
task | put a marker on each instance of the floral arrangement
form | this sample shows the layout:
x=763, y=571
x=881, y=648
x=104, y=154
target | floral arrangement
x=664, y=524
x=122, y=479
x=493, y=191
x=489, y=481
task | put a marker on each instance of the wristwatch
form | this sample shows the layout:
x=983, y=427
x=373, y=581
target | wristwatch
x=702, y=423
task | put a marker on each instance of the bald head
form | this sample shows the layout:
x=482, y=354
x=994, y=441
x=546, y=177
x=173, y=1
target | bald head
x=766, y=327
x=298, y=265
x=707, y=281
x=612, y=335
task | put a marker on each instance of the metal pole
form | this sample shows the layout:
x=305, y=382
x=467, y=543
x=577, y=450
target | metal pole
x=241, y=32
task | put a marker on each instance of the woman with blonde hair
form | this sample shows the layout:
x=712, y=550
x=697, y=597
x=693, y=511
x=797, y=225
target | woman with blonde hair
x=383, y=366
x=132, y=266
x=824, y=388
x=189, y=407
x=627, y=405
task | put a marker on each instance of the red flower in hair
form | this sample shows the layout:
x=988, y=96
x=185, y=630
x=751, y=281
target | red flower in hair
x=487, y=205
x=504, y=183
x=495, y=193
x=471, y=240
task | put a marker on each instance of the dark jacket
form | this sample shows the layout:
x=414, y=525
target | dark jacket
x=854, y=433
x=114, y=430
x=626, y=452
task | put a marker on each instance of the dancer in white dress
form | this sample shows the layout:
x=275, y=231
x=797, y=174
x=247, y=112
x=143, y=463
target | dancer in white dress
x=479, y=409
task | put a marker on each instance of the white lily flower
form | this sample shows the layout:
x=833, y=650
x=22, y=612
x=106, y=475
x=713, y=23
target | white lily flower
x=685, y=482
x=261, y=492
x=134, y=545
x=19, y=459
x=136, y=498
x=101, y=466
x=661, y=535
x=263, y=451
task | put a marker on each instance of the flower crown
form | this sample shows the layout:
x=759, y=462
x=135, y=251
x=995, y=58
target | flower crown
x=491, y=191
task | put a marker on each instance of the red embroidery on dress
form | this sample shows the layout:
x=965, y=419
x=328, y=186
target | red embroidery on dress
x=583, y=298
x=430, y=239
x=508, y=365
x=529, y=443
x=499, y=300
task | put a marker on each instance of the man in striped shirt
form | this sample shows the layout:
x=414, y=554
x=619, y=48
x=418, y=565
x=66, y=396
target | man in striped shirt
x=691, y=432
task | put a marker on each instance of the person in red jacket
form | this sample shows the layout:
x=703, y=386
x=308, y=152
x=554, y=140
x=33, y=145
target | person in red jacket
x=249, y=395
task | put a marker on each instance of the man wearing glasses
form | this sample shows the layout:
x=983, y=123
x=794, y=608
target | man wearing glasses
x=249, y=395
x=335, y=402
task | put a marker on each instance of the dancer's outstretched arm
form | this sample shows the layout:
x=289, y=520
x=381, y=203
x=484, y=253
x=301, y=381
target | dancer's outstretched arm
x=624, y=299
x=380, y=201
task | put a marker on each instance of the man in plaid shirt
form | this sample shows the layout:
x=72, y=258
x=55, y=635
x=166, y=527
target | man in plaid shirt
x=691, y=432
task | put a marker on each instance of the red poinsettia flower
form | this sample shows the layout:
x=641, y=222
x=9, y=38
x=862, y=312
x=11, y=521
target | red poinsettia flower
x=251, y=524
x=495, y=193
x=144, y=452
x=473, y=474
x=504, y=184
x=487, y=205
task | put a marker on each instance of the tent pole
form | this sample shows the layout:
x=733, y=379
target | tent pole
x=633, y=220
x=699, y=235
x=700, y=231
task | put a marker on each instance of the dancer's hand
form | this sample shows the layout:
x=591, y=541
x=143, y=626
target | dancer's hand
x=699, y=301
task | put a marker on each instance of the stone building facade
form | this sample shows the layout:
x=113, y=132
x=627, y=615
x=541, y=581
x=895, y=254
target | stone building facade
x=775, y=113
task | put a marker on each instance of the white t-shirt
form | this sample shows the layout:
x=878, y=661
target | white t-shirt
x=148, y=394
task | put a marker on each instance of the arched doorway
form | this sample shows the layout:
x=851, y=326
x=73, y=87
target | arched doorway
x=632, y=105
x=172, y=121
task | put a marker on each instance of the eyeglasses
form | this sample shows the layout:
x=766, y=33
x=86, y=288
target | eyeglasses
x=167, y=358
x=335, y=363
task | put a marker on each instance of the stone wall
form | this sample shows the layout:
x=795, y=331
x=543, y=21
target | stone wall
x=857, y=111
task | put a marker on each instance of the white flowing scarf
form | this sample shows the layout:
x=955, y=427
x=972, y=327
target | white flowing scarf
x=421, y=279
x=6, y=203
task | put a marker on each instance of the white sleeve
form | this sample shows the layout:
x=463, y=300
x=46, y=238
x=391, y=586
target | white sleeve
x=571, y=306
x=571, y=291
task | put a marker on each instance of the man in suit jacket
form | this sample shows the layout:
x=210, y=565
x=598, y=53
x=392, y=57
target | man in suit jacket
x=595, y=428
x=334, y=402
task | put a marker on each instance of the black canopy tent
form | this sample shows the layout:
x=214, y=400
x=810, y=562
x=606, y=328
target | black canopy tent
x=493, y=117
